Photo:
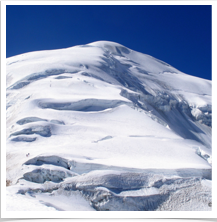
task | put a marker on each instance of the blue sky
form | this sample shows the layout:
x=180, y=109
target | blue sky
x=177, y=34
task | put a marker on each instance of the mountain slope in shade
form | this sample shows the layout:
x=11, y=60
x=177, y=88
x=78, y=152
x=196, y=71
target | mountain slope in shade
x=103, y=124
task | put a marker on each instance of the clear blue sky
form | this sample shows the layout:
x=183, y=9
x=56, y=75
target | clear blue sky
x=179, y=35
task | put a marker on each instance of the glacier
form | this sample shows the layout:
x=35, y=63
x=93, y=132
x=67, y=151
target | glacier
x=106, y=129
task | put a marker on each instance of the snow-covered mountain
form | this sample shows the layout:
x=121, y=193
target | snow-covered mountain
x=106, y=128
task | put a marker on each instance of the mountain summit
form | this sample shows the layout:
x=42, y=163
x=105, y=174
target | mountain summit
x=103, y=127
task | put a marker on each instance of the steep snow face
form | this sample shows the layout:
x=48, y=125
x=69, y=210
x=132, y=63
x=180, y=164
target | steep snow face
x=105, y=108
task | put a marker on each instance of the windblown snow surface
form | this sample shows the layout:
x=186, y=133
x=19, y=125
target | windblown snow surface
x=107, y=129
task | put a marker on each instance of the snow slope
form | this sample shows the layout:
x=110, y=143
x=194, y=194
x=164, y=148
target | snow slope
x=107, y=128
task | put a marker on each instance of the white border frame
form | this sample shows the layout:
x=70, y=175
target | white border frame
x=98, y=214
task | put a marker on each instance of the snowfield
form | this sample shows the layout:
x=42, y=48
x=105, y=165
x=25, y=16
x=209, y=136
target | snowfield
x=107, y=129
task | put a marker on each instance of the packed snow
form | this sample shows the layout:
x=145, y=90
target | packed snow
x=106, y=128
